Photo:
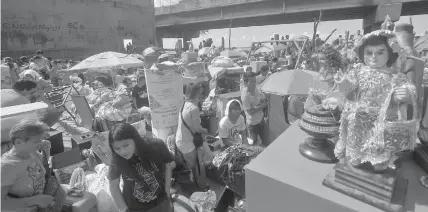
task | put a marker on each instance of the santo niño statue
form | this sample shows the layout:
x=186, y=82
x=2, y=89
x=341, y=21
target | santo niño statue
x=374, y=126
x=378, y=94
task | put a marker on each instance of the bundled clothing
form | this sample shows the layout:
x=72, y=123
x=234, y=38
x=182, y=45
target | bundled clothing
x=231, y=162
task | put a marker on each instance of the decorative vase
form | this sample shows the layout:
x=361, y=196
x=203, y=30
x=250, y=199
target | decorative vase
x=321, y=126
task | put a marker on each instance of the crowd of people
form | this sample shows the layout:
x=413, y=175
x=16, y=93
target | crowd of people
x=145, y=163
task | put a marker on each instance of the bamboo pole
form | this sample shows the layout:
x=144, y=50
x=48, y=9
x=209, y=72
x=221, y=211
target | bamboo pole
x=328, y=37
x=230, y=32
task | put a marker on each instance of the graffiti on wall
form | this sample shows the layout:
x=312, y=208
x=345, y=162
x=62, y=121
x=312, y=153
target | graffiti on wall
x=15, y=35
x=125, y=29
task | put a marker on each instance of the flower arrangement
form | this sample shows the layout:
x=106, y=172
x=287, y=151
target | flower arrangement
x=331, y=104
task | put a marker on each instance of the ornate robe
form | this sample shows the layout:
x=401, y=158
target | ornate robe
x=367, y=90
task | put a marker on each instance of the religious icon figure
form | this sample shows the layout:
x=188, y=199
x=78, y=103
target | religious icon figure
x=377, y=98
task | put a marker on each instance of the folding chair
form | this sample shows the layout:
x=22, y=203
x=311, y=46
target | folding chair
x=84, y=111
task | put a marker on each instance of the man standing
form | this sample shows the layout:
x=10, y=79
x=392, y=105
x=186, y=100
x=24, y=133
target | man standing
x=139, y=93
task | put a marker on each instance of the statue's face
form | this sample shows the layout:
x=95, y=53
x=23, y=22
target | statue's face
x=376, y=56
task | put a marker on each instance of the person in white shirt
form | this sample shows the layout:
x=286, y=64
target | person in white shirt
x=232, y=129
x=253, y=101
x=189, y=123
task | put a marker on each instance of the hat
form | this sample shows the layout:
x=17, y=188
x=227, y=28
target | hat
x=389, y=35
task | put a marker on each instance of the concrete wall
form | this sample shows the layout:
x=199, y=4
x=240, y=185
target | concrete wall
x=74, y=28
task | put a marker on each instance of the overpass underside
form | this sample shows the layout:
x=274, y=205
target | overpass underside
x=265, y=13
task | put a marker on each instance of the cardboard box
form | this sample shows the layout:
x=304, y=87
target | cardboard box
x=256, y=65
x=190, y=57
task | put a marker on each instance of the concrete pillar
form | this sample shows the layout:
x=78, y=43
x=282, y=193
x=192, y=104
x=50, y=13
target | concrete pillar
x=185, y=43
x=374, y=20
x=159, y=42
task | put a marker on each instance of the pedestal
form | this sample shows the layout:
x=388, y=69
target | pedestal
x=386, y=191
x=421, y=157
x=318, y=149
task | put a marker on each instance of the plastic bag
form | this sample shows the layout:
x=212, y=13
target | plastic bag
x=206, y=201
x=141, y=127
x=105, y=202
x=222, y=61
x=78, y=180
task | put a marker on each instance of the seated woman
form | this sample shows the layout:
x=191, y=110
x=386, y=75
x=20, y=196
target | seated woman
x=120, y=108
x=232, y=129
x=101, y=93
x=81, y=87
x=24, y=175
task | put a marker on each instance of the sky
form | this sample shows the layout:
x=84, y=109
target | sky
x=243, y=36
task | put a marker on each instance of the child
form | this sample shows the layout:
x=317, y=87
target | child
x=145, y=111
x=232, y=125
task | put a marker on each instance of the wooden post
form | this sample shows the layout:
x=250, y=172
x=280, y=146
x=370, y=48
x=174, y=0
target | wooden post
x=316, y=22
x=230, y=32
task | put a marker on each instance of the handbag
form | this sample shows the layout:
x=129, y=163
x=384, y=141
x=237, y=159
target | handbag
x=52, y=188
x=400, y=135
x=197, y=137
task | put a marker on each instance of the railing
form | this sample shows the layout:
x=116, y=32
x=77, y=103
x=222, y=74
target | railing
x=174, y=6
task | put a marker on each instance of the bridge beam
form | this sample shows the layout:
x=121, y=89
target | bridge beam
x=271, y=12
x=374, y=20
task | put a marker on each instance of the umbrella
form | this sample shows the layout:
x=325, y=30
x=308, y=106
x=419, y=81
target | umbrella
x=291, y=82
x=232, y=53
x=138, y=56
x=152, y=51
x=108, y=60
x=263, y=49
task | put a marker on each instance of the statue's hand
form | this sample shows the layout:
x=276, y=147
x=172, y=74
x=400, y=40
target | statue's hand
x=402, y=95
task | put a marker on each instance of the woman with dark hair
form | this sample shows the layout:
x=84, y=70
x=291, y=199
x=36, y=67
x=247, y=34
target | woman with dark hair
x=189, y=124
x=145, y=166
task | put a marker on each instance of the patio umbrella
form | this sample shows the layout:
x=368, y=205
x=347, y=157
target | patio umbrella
x=232, y=53
x=291, y=82
x=263, y=49
x=138, y=56
x=152, y=51
x=108, y=60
